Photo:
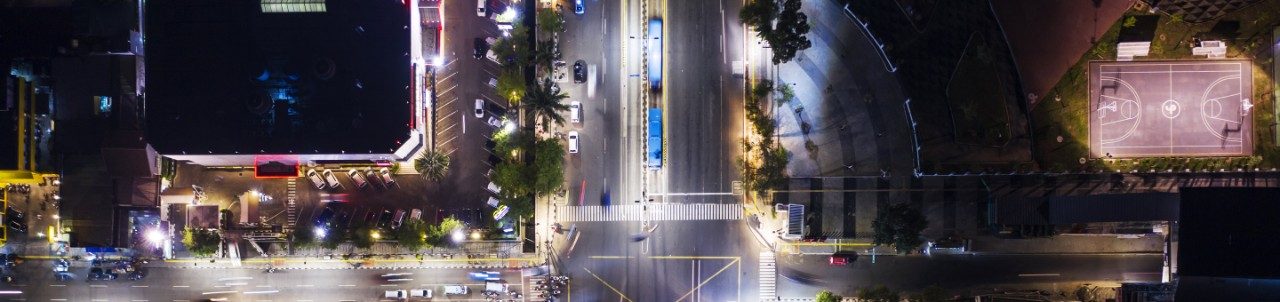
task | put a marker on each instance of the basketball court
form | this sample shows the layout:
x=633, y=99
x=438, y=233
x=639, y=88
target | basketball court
x=1170, y=108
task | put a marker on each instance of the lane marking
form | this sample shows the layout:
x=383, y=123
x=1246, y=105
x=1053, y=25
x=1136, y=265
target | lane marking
x=1039, y=275
x=347, y=285
x=615, y=290
x=97, y=285
x=707, y=280
x=180, y=286
x=306, y=285
x=57, y=285
x=141, y=286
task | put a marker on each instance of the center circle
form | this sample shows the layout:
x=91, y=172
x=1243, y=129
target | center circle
x=1170, y=108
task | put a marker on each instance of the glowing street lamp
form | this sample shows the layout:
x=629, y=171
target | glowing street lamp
x=155, y=237
x=437, y=61
x=320, y=232
x=457, y=236
x=375, y=235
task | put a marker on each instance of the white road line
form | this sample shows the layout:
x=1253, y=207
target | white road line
x=99, y=300
x=306, y=285
x=57, y=299
x=180, y=286
x=1039, y=275
x=141, y=286
x=57, y=285
x=347, y=285
x=97, y=285
x=138, y=300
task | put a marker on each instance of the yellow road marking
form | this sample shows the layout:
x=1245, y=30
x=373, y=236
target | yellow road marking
x=611, y=257
x=696, y=257
x=615, y=290
x=708, y=279
x=856, y=244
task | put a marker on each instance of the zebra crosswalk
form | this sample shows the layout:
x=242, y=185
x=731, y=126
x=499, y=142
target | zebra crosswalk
x=768, y=276
x=651, y=212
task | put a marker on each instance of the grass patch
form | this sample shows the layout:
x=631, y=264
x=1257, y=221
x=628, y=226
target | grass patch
x=976, y=102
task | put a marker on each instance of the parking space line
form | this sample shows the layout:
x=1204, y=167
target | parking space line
x=446, y=90
x=450, y=75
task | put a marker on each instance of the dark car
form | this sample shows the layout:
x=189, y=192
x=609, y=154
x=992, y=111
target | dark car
x=370, y=217
x=326, y=215
x=18, y=226
x=494, y=160
x=579, y=71
x=578, y=7
x=481, y=48
x=343, y=219
x=495, y=109
x=385, y=218
x=489, y=145
x=98, y=273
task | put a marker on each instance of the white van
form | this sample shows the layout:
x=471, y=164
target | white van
x=575, y=112
x=315, y=179
x=331, y=180
x=456, y=290
x=480, y=8
x=492, y=187
x=420, y=293
x=492, y=202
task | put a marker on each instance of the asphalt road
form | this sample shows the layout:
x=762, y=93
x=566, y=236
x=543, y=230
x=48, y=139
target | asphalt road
x=178, y=284
x=587, y=37
x=956, y=272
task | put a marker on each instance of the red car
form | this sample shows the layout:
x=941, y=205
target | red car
x=842, y=258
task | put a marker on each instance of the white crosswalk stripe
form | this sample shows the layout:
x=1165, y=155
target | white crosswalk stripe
x=768, y=277
x=651, y=212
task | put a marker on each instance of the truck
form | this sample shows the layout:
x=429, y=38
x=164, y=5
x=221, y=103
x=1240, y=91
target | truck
x=655, y=54
x=653, y=152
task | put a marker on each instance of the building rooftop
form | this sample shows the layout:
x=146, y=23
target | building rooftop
x=316, y=77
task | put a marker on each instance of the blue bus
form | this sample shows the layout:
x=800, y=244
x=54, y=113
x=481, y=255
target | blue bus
x=654, y=152
x=655, y=54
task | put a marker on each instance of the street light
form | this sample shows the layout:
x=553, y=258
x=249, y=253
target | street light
x=457, y=236
x=320, y=232
x=475, y=235
x=375, y=235
x=437, y=61
x=155, y=237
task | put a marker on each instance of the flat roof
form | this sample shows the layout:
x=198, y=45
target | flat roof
x=225, y=77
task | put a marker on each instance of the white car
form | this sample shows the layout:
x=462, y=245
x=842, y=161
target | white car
x=386, y=176
x=494, y=188
x=492, y=56
x=456, y=290
x=479, y=108
x=493, y=82
x=420, y=293
x=396, y=294
x=575, y=112
x=331, y=180
x=357, y=178
x=573, y=142
x=493, y=121
x=480, y=8
x=315, y=179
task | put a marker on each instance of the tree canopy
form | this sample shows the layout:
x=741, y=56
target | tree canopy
x=543, y=101
x=550, y=21
x=788, y=36
x=827, y=296
x=879, y=293
x=432, y=165
x=900, y=225
x=201, y=242
x=412, y=234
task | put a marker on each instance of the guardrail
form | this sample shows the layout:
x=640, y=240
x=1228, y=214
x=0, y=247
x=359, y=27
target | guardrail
x=888, y=64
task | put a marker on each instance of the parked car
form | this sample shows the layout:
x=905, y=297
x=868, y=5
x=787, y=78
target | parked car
x=331, y=180
x=386, y=176
x=420, y=293
x=573, y=142
x=492, y=187
x=398, y=219
x=325, y=217
x=385, y=218
x=842, y=258
x=481, y=47
x=481, y=9
x=500, y=212
x=372, y=176
x=416, y=214
x=578, y=7
x=479, y=108
x=396, y=294
x=575, y=112
x=579, y=71
x=358, y=179
x=456, y=290
x=315, y=179
x=493, y=121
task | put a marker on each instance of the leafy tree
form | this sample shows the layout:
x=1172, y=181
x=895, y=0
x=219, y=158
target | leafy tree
x=932, y=293
x=513, y=51
x=879, y=294
x=541, y=101
x=827, y=296
x=788, y=36
x=201, y=242
x=511, y=86
x=363, y=237
x=550, y=21
x=411, y=234
x=900, y=225
x=545, y=54
x=759, y=15
x=433, y=165
x=303, y=236
x=335, y=235
x=1130, y=21
x=438, y=235
x=548, y=165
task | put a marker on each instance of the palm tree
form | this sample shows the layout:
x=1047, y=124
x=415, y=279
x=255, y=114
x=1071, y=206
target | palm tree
x=541, y=101
x=433, y=165
x=545, y=54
